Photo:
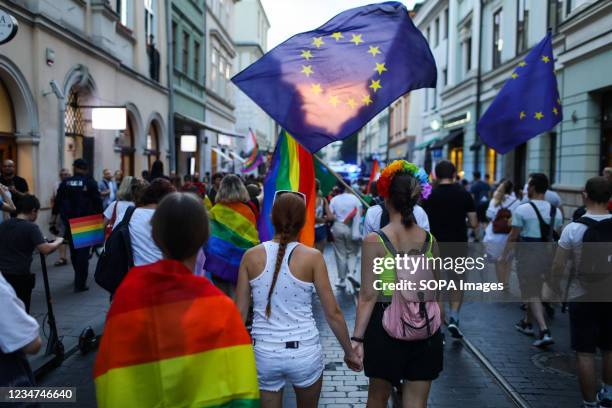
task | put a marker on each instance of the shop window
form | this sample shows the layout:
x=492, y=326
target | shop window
x=126, y=144
x=8, y=145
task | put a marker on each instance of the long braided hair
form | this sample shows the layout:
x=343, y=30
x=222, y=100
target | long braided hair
x=288, y=218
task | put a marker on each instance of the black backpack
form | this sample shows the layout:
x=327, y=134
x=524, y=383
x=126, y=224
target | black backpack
x=596, y=255
x=547, y=231
x=117, y=258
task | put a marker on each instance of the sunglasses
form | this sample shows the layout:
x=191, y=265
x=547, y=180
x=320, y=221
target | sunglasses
x=279, y=193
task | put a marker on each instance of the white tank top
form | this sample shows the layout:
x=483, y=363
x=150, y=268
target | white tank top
x=291, y=316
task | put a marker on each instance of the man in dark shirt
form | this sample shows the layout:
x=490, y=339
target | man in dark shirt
x=18, y=186
x=448, y=207
x=19, y=237
x=78, y=196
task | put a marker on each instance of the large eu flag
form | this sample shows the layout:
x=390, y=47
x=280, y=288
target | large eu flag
x=324, y=85
x=527, y=105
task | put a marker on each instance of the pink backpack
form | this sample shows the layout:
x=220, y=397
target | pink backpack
x=410, y=316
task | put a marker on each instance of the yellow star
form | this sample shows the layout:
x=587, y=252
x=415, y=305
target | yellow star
x=376, y=85
x=357, y=39
x=522, y=115
x=334, y=100
x=374, y=51
x=545, y=59
x=307, y=70
x=316, y=88
x=558, y=101
x=318, y=42
x=522, y=64
x=307, y=54
x=351, y=102
x=514, y=75
x=555, y=111
x=367, y=100
x=538, y=115
x=337, y=36
x=380, y=67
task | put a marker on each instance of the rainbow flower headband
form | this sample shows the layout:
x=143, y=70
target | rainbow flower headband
x=402, y=166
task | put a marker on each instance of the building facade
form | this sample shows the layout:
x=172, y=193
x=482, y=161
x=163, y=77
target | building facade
x=372, y=140
x=68, y=57
x=477, y=44
x=251, y=44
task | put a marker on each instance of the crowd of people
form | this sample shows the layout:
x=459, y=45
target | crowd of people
x=272, y=283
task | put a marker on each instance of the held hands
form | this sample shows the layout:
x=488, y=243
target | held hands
x=354, y=359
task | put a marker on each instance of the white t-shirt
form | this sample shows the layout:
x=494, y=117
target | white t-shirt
x=17, y=328
x=144, y=249
x=510, y=202
x=374, y=215
x=525, y=217
x=343, y=204
x=571, y=237
x=122, y=206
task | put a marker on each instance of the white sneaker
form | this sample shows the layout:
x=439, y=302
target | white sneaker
x=544, y=340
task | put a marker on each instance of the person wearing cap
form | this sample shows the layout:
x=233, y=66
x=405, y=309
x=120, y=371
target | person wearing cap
x=78, y=196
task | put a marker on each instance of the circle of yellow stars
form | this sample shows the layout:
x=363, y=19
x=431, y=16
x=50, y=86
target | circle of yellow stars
x=538, y=115
x=357, y=40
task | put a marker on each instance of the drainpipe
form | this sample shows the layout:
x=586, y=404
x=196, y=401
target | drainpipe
x=170, y=70
x=477, y=142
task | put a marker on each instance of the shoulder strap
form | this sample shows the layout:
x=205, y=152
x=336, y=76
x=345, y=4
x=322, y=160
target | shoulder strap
x=510, y=205
x=540, y=219
x=128, y=214
x=589, y=222
x=386, y=242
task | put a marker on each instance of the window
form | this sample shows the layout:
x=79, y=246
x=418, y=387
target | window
x=522, y=26
x=446, y=22
x=174, y=34
x=555, y=14
x=221, y=81
x=498, y=42
x=426, y=105
x=552, y=170
x=196, y=61
x=437, y=32
x=445, y=76
x=185, y=53
x=428, y=34
x=214, y=66
x=150, y=20
x=435, y=96
x=122, y=7
x=468, y=54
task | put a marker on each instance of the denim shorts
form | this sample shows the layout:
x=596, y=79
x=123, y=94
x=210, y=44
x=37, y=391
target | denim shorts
x=301, y=367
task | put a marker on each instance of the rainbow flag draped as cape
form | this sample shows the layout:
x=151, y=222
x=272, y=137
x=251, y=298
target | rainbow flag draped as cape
x=254, y=158
x=292, y=169
x=233, y=231
x=173, y=339
x=87, y=231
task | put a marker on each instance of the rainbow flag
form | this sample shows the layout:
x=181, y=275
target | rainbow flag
x=254, y=159
x=173, y=339
x=87, y=231
x=233, y=231
x=291, y=168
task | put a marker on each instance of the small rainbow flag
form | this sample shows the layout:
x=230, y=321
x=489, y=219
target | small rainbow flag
x=233, y=231
x=87, y=231
x=173, y=339
x=254, y=159
x=291, y=168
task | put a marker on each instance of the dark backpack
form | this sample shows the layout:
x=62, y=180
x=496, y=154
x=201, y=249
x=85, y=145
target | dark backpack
x=117, y=258
x=596, y=253
x=501, y=223
x=547, y=231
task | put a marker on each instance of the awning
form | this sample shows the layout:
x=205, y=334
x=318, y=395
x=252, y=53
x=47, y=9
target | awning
x=446, y=139
x=220, y=153
x=425, y=144
x=204, y=125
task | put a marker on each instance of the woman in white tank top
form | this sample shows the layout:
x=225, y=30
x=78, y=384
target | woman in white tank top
x=281, y=276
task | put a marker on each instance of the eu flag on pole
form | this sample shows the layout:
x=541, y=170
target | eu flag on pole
x=527, y=105
x=324, y=85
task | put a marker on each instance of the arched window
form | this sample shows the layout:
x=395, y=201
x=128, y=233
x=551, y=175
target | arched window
x=8, y=145
x=126, y=144
x=152, y=151
x=74, y=130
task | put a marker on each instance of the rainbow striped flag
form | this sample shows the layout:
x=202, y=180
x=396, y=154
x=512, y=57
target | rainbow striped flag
x=233, y=231
x=291, y=168
x=173, y=339
x=254, y=158
x=87, y=231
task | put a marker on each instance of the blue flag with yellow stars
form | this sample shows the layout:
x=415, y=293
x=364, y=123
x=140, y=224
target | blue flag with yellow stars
x=324, y=85
x=527, y=105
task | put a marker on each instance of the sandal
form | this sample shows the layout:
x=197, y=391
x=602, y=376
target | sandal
x=61, y=262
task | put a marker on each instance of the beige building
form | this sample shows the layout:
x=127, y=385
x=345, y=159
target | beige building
x=68, y=57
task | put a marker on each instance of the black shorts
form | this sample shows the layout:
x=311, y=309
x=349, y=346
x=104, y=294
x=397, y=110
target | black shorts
x=591, y=326
x=396, y=360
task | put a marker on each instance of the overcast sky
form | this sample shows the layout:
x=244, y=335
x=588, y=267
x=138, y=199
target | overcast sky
x=289, y=17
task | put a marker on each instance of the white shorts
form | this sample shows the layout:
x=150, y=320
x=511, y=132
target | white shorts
x=301, y=367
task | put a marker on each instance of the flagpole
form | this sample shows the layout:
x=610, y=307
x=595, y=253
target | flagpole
x=336, y=175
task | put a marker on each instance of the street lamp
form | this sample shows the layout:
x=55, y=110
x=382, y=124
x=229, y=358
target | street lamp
x=189, y=143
